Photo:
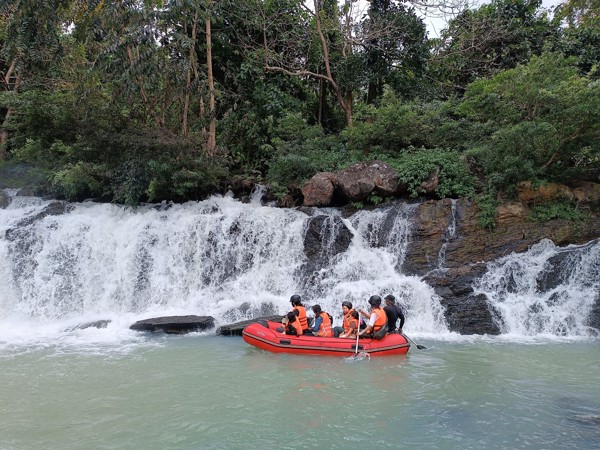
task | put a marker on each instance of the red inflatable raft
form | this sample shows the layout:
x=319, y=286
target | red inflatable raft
x=263, y=334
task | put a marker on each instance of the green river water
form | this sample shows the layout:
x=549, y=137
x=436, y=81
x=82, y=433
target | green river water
x=212, y=392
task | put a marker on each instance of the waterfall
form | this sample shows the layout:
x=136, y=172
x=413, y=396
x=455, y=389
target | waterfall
x=450, y=233
x=63, y=264
x=546, y=291
x=219, y=257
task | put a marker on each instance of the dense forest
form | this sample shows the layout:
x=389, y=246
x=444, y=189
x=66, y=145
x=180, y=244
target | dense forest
x=133, y=101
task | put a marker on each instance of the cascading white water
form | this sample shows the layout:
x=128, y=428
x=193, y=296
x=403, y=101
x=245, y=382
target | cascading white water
x=545, y=291
x=206, y=258
x=449, y=235
x=234, y=261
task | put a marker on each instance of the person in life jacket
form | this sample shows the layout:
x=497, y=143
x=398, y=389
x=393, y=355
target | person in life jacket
x=377, y=318
x=346, y=310
x=352, y=329
x=292, y=326
x=300, y=311
x=322, y=325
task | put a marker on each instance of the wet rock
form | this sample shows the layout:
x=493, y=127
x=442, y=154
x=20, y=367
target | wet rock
x=54, y=208
x=4, y=199
x=326, y=236
x=465, y=312
x=95, y=324
x=175, y=324
x=235, y=329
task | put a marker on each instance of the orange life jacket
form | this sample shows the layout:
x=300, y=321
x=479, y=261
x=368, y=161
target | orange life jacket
x=325, y=327
x=301, y=317
x=347, y=318
x=351, y=331
x=297, y=326
x=381, y=318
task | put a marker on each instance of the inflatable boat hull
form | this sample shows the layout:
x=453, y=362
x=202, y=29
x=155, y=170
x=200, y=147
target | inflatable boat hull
x=265, y=335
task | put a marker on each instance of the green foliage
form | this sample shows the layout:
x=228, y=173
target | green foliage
x=302, y=150
x=547, y=119
x=78, y=180
x=415, y=166
x=561, y=210
x=483, y=42
x=487, y=210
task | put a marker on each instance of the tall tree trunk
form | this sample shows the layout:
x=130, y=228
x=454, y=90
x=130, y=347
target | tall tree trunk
x=212, y=129
x=185, y=127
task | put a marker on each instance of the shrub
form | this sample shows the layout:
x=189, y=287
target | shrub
x=414, y=168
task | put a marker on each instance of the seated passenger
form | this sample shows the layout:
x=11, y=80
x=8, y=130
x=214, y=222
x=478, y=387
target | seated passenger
x=292, y=326
x=394, y=313
x=300, y=312
x=350, y=331
x=322, y=325
x=377, y=326
x=347, y=310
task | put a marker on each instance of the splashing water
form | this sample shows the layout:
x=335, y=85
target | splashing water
x=545, y=291
x=218, y=257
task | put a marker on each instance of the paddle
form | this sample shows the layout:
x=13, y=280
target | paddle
x=420, y=347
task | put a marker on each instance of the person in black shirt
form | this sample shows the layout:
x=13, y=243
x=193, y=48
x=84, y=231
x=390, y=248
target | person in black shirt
x=393, y=313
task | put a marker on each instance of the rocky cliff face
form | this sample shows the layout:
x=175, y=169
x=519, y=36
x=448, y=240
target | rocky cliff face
x=470, y=247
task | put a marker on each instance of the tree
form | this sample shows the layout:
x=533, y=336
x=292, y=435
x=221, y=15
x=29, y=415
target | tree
x=395, y=47
x=547, y=119
x=30, y=38
x=481, y=43
x=580, y=20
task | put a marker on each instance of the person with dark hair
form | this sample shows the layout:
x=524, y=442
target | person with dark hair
x=394, y=313
x=300, y=311
x=352, y=329
x=346, y=310
x=377, y=325
x=292, y=325
x=322, y=325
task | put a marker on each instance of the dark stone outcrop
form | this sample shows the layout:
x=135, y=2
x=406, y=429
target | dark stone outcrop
x=466, y=313
x=325, y=238
x=235, y=329
x=4, y=199
x=95, y=324
x=175, y=324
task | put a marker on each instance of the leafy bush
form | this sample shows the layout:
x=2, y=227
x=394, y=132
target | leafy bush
x=414, y=168
x=548, y=120
x=550, y=211
x=487, y=210
x=302, y=150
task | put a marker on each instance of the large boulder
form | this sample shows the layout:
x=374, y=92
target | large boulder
x=236, y=329
x=360, y=180
x=318, y=191
x=175, y=324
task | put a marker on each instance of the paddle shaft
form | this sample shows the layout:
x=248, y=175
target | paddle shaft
x=420, y=347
